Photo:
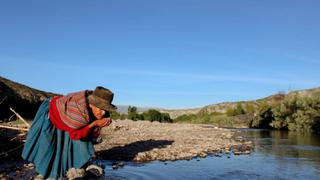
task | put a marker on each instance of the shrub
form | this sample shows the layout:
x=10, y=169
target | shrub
x=263, y=117
x=154, y=115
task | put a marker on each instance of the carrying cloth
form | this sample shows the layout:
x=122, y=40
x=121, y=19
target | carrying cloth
x=51, y=150
x=73, y=109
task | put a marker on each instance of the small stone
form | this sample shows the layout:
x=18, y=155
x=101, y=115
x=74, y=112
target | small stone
x=247, y=152
x=39, y=177
x=237, y=153
x=117, y=165
x=74, y=173
x=121, y=164
x=94, y=170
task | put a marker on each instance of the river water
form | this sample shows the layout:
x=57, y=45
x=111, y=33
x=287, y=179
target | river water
x=276, y=155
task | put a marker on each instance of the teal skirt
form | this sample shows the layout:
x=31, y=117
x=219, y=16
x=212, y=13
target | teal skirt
x=51, y=150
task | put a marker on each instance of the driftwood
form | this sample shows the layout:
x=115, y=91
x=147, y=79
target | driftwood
x=23, y=132
x=25, y=122
x=17, y=128
x=14, y=128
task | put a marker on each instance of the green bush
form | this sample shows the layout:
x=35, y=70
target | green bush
x=298, y=114
x=231, y=112
x=133, y=114
x=263, y=118
x=154, y=115
x=249, y=108
x=115, y=115
x=185, y=118
x=294, y=113
x=238, y=110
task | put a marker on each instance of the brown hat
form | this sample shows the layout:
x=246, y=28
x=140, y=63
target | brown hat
x=102, y=98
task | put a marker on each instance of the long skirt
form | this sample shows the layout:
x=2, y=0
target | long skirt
x=51, y=150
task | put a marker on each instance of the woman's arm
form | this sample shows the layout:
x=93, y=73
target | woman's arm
x=77, y=134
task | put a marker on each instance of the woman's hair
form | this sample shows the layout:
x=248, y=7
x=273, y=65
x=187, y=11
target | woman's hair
x=107, y=114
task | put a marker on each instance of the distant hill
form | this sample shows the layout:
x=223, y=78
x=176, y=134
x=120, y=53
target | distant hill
x=223, y=107
x=26, y=101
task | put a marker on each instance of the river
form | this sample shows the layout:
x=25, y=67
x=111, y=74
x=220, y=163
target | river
x=276, y=155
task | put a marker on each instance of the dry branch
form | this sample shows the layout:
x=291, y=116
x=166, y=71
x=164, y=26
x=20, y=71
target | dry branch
x=3, y=99
x=25, y=122
x=14, y=128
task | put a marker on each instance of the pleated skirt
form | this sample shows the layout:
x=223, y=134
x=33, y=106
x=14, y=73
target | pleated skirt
x=51, y=150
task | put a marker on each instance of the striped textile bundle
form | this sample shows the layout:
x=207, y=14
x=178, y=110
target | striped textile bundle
x=73, y=109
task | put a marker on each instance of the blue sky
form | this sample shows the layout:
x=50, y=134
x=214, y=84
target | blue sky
x=168, y=53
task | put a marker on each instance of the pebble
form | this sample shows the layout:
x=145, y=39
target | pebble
x=74, y=173
x=94, y=170
x=117, y=165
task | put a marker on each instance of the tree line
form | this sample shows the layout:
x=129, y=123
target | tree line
x=294, y=113
x=150, y=115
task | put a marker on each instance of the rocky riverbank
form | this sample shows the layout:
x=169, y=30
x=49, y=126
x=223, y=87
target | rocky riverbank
x=143, y=141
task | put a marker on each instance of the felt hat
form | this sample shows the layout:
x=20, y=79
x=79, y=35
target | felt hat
x=102, y=98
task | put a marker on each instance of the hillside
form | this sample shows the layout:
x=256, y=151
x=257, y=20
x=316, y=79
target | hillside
x=223, y=107
x=26, y=101
x=23, y=99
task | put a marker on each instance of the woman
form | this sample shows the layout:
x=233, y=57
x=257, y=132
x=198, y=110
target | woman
x=61, y=133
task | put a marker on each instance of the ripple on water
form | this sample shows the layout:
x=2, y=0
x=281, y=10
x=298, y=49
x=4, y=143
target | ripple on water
x=277, y=156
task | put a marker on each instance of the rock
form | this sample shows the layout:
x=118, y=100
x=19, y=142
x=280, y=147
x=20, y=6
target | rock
x=94, y=171
x=203, y=154
x=117, y=165
x=247, y=152
x=39, y=177
x=74, y=173
x=217, y=155
x=97, y=140
x=30, y=165
x=237, y=153
x=121, y=164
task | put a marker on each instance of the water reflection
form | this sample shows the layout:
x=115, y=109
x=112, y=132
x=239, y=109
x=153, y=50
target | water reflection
x=283, y=144
x=277, y=155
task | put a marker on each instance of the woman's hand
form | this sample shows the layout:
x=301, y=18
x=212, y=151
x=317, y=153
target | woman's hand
x=101, y=122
